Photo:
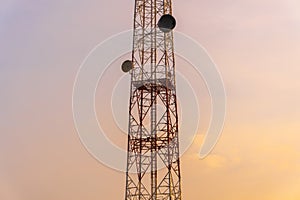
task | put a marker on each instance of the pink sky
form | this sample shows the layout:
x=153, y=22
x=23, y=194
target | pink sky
x=256, y=45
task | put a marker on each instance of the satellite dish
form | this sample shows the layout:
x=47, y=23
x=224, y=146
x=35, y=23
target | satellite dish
x=166, y=23
x=127, y=66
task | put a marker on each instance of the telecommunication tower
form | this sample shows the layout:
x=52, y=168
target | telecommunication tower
x=153, y=166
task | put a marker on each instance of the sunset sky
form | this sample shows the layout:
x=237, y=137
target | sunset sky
x=254, y=43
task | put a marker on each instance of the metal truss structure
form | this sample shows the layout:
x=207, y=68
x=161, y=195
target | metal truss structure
x=153, y=168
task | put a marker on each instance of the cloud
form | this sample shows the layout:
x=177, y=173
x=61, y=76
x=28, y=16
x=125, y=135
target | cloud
x=216, y=161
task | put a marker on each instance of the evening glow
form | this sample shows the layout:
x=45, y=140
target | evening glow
x=254, y=43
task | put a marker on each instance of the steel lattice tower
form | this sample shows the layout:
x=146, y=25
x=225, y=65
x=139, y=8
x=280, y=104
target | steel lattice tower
x=153, y=169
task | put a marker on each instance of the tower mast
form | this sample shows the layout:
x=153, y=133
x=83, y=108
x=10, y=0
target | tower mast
x=153, y=166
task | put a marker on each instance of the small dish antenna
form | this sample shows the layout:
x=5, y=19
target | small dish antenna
x=127, y=66
x=166, y=23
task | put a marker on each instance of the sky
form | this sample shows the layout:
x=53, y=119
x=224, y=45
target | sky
x=254, y=43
